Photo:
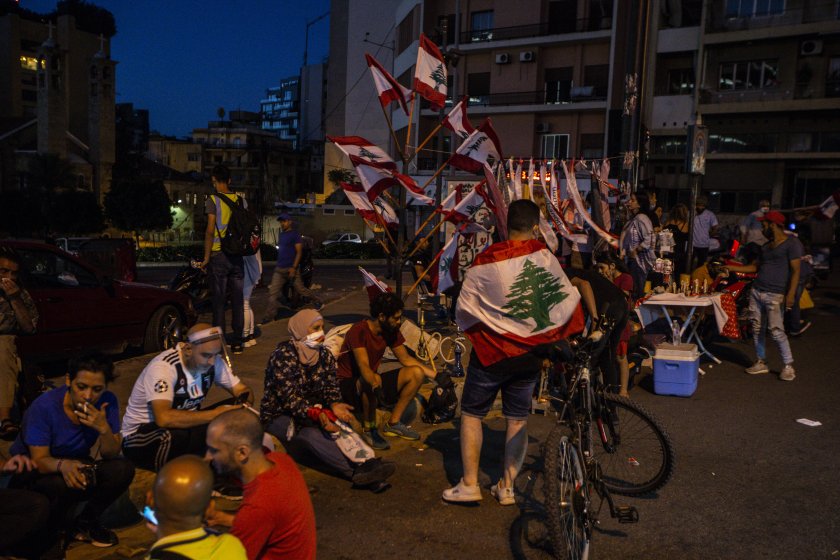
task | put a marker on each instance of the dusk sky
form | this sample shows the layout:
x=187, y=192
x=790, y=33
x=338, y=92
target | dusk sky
x=183, y=59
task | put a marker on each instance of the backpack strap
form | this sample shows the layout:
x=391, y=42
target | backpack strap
x=232, y=205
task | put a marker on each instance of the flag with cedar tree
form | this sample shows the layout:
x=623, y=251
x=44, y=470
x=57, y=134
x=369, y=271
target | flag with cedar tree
x=515, y=297
x=430, y=73
x=362, y=149
x=388, y=88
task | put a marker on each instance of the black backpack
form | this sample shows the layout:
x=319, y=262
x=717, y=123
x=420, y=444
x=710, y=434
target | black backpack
x=244, y=232
x=442, y=403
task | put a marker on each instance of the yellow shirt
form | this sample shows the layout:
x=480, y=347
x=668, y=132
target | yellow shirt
x=222, y=211
x=204, y=545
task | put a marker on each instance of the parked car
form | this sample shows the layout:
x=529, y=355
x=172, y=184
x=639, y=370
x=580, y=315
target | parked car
x=115, y=257
x=342, y=237
x=81, y=309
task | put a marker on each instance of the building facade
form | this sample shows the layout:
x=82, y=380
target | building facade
x=280, y=111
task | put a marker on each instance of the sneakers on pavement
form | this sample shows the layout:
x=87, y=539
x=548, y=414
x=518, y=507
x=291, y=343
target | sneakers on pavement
x=802, y=328
x=504, y=496
x=399, y=429
x=758, y=367
x=249, y=341
x=373, y=471
x=788, y=373
x=236, y=348
x=462, y=493
x=375, y=440
x=95, y=534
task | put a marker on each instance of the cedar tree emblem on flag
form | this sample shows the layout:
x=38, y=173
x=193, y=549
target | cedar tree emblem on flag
x=532, y=296
x=430, y=73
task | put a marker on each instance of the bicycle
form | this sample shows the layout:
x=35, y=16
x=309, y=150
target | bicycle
x=635, y=455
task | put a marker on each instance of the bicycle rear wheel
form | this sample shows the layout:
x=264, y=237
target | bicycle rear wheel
x=641, y=458
x=566, y=498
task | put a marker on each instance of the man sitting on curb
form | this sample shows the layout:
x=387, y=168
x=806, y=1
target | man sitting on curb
x=363, y=387
x=180, y=499
x=164, y=418
x=276, y=519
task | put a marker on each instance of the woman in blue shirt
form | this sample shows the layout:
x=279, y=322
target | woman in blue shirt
x=59, y=432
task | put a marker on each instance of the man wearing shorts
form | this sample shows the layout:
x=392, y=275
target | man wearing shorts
x=358, y=364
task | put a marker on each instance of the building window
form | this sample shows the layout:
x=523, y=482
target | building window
x=600, y=14
x=558, y=84
x=555, y=146
x=29, y=63
x=754, y=8
x=680, y=81
x=478, y=87
x=349, y=212
x=596, y=77
x=407, y=30
x=193, y=156
x=753, y=74
x=591, y=146
x=562, y=16
x=481, y=26
x=832, y=78
x=446, y=25
x=329, y=211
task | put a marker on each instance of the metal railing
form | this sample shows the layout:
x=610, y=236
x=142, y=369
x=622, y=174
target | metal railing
x=577, y=94
x=753, y=143
x=537, y=30
x=720, y=20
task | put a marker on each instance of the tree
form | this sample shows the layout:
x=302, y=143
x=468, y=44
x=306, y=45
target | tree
x=338, y=175
x=533, y=295
x=76, y=212
x=220, y=112
x=138, y=204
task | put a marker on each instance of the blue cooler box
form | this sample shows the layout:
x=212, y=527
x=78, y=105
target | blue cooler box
x=675, y=369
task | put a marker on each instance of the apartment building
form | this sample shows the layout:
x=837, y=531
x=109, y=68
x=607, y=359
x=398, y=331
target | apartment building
x=280, y=110
x=765, y=77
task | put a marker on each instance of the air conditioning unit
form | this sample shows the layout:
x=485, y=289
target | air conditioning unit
x=543, y=127
x=527, y=56
x=811, y=47
x=503, y=58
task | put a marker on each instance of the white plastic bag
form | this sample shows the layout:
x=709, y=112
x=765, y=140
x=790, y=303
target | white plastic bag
x=351, y=444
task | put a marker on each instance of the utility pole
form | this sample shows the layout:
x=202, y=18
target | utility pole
x=306, y=41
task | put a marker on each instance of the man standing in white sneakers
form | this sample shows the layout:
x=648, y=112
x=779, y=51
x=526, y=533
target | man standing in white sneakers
x=775, y=285
x=515, y=302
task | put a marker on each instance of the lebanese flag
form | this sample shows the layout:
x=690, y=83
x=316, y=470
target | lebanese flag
x=430, y=73
x=412, y=189
x=829, y=207
x=498, y=202
x=387, y=87
x=574, y=194
x=377, y=212
x=457, y=120
x=515, y=297
x=479, y=151
x=362, y=149
x=374, y=177
x=464, y=210
x=386, y=212
x=373, y=285
x=447, y=269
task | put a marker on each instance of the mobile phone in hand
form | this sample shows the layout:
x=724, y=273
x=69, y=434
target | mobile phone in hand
x=149, y=515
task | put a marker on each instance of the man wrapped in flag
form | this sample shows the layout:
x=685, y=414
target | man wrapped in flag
x=515, y=302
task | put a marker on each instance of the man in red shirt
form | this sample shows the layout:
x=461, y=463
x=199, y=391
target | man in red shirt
x=276, y=519
x=360, y=383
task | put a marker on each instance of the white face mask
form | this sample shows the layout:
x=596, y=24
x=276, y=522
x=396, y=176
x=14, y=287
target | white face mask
x=764, y=209
x=314, y=340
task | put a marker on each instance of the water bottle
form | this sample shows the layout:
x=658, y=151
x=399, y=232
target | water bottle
x=457, y=368
x=675, y=332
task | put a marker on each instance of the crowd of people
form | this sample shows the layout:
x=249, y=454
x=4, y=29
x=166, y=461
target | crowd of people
x=75, y=454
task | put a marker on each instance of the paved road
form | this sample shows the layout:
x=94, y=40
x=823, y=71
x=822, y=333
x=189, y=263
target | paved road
x=750, y=481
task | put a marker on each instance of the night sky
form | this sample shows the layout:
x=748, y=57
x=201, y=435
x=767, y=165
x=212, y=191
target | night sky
x=183, y=59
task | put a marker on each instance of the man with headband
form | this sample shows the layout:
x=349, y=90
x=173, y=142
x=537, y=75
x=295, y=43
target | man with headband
x=164, y=418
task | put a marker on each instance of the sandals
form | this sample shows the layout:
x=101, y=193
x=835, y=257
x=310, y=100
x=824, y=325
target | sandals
x=8, y=430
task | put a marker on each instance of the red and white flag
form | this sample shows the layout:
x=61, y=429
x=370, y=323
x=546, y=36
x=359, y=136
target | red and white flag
x=386, y=212
x=498, y=203
x=514, y=297
x=387, y=87
x=829, y=207
x=574, y=194
x=378, y=212
x=362, y=149
x=457, y=120
x=447, y=275
x=373, y=285
x=413, y=190
x=602, y=173
x=374, y=177
x=430, y=73
x=469, y=204
x=479, y=151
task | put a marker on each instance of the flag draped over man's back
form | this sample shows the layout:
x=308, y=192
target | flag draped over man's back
x=516, y=296
x=430, y=73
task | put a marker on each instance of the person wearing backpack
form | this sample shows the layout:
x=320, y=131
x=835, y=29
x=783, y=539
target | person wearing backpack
x=226, y=270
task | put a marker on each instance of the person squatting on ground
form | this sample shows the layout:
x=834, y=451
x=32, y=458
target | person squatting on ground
x=515, y=302
x=363, y=387
x=59, y=432
x=775, y=285
x=18, y=315
x=226, y=273
x=276, y=518
x=302, y=400
x=28, y=512
x=164, y=418
x=287, y=271
x=180, y=498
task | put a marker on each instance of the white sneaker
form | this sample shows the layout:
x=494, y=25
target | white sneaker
x=504, y=496
x=250, y=341
x=462, y=493
x=758, y=367
x=788, y=373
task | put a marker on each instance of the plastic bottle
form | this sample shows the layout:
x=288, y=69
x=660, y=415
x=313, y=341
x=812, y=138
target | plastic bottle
x=675, y=332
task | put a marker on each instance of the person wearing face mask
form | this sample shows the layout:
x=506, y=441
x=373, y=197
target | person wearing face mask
x=164, y=418
x=773, y=291
x=302, y=402
x=363, y=386
x=752, y=239
x=59, y=432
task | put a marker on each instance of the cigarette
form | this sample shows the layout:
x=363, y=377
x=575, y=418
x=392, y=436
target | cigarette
x=247, y=407
x=85, y=408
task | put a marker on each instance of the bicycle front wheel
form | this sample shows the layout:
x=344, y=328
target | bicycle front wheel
x=638, y=457
x=566, y=498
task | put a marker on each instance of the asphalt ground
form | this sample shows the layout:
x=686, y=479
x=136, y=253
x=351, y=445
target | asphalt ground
x=750, y=481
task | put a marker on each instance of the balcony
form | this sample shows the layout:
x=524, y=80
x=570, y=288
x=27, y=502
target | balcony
x=745, y=95
x=566, y=96
x=792, y=144
x=720, y=20
x=541, y=29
